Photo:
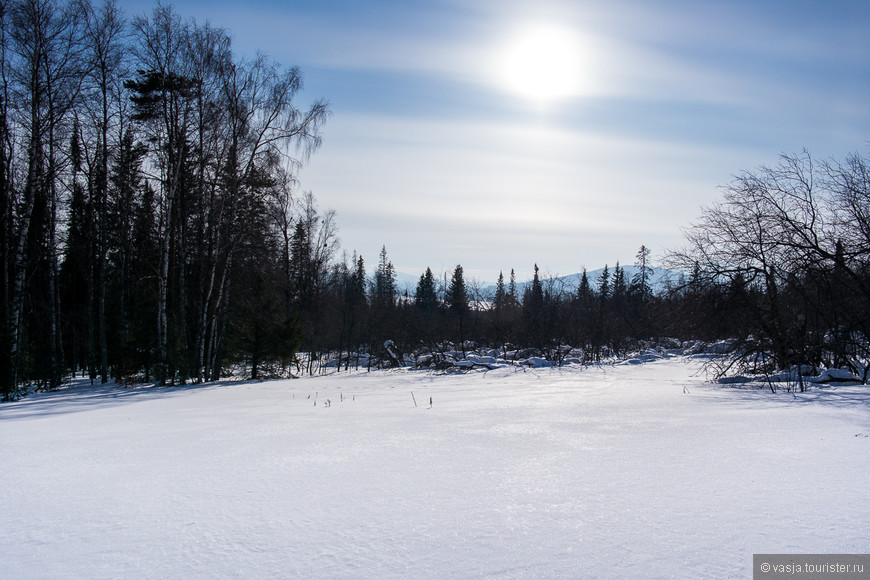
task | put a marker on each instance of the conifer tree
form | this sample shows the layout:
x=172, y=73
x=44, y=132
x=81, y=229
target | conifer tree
x=124, y=192
x=385, y=282
x=457, y=294
x=584, y=290
x=534, y=298
x=620, y=287
x=500, y=298
x=585, y=308
x=640, y=283
x=426, y=298
x=533, y=311
x=604, y=284
x=512, y=289
x=457, y=301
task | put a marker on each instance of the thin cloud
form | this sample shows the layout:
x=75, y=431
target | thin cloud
x=526, y=186
x=429, y=153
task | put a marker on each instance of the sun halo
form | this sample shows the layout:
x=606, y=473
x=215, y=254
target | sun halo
x=542, y=63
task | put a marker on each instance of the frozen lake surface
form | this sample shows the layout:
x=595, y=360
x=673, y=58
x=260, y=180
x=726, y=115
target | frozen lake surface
x=628, y=471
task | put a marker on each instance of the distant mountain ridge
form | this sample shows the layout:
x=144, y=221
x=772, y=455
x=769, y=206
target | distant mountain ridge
x=658, y=280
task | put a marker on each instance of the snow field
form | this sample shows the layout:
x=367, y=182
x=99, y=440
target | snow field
x=629, y=471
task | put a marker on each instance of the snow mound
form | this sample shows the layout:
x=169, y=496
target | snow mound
x=835, y=376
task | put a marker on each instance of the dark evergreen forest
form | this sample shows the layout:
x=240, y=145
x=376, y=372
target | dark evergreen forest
x=153, y=231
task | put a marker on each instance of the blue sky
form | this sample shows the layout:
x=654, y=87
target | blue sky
x=434, y=153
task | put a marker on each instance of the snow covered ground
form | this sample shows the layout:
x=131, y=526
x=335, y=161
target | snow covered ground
x=628, y=471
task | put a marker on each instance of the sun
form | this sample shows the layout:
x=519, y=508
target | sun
x=543, y=63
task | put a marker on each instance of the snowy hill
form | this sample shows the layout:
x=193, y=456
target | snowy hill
x=658, y=279
x=404, y=282
x=658, y=282
x=618, y=471
x=407, y=282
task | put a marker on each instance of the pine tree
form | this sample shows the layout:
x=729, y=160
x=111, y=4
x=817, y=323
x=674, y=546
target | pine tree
x=534, y=297
x=353, y=281
x=126, y=188
x=301, y=267
x=584, y=290
x=426, y=299
x=500, y=298
x=604, y=284
x=533, y=311
x=620, y=288
x=640, y=283
x=358, y=283
x=385, y=282
x=457, y=301
x=75, y=280
x=457, y=294
x=585, y=308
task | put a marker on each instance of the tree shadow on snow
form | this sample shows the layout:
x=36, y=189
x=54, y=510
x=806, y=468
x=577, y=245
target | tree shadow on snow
x=80, y=395
x=837, y=395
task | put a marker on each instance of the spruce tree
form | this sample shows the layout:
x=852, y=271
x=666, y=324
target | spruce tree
x=500, y=297
x=640, y=283
x=385, y=282
x=426, y=298
x=620, y=288
x=457, y=294
x=533, y=311
x=534, y=298
x=604, y=284
x=584, y=290
x=457, y=301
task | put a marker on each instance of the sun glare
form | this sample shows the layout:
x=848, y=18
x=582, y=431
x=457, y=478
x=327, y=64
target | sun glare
x=543, y=63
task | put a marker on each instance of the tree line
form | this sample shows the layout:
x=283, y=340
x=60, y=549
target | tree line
x=780, y=269
x=146, y=179
x=152, y=231
x=356, y=313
